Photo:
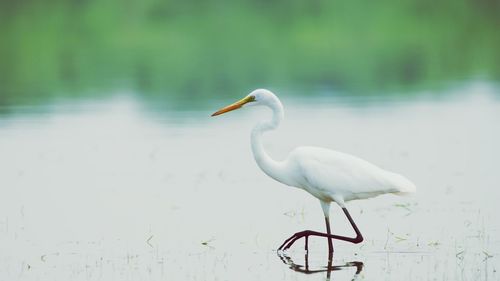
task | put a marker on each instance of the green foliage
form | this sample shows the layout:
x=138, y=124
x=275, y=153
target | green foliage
x=204, y=49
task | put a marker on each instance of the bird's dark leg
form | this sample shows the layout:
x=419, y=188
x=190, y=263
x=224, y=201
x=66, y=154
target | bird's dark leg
x=306, y=233
x=329, y=232
x=359, y=237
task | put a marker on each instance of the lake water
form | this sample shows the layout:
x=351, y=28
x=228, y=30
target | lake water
x=119, y=189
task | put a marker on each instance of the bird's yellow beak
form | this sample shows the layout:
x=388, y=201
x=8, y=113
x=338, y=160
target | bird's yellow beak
x=235, y=105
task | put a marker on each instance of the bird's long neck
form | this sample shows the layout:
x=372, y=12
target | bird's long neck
x=270, y=166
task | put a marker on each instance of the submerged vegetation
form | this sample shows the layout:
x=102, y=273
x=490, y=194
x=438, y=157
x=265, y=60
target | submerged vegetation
x=200, y=49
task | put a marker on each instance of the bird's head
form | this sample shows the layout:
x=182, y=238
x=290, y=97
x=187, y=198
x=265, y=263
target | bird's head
x=256, y=97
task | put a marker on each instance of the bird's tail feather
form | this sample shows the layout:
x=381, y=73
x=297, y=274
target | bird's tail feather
x=403, y=185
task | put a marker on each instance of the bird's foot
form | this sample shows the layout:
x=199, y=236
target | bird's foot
x=306, y=233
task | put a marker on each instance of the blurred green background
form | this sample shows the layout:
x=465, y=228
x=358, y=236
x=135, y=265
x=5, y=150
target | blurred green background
x=198, y=50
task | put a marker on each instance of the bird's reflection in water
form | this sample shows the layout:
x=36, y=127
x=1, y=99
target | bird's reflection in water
x=328, y=268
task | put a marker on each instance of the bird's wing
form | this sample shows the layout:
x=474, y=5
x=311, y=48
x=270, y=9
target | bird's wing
x=329, y=172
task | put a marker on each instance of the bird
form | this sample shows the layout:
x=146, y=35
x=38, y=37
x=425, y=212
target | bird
x=328, y=175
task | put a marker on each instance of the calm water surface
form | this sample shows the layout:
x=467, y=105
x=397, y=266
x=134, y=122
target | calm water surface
x=116, y=189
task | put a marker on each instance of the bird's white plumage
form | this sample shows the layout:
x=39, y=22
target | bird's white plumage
x=335, y=176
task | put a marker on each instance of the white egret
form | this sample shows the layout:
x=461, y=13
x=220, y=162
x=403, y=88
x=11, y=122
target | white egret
x=326, y=174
